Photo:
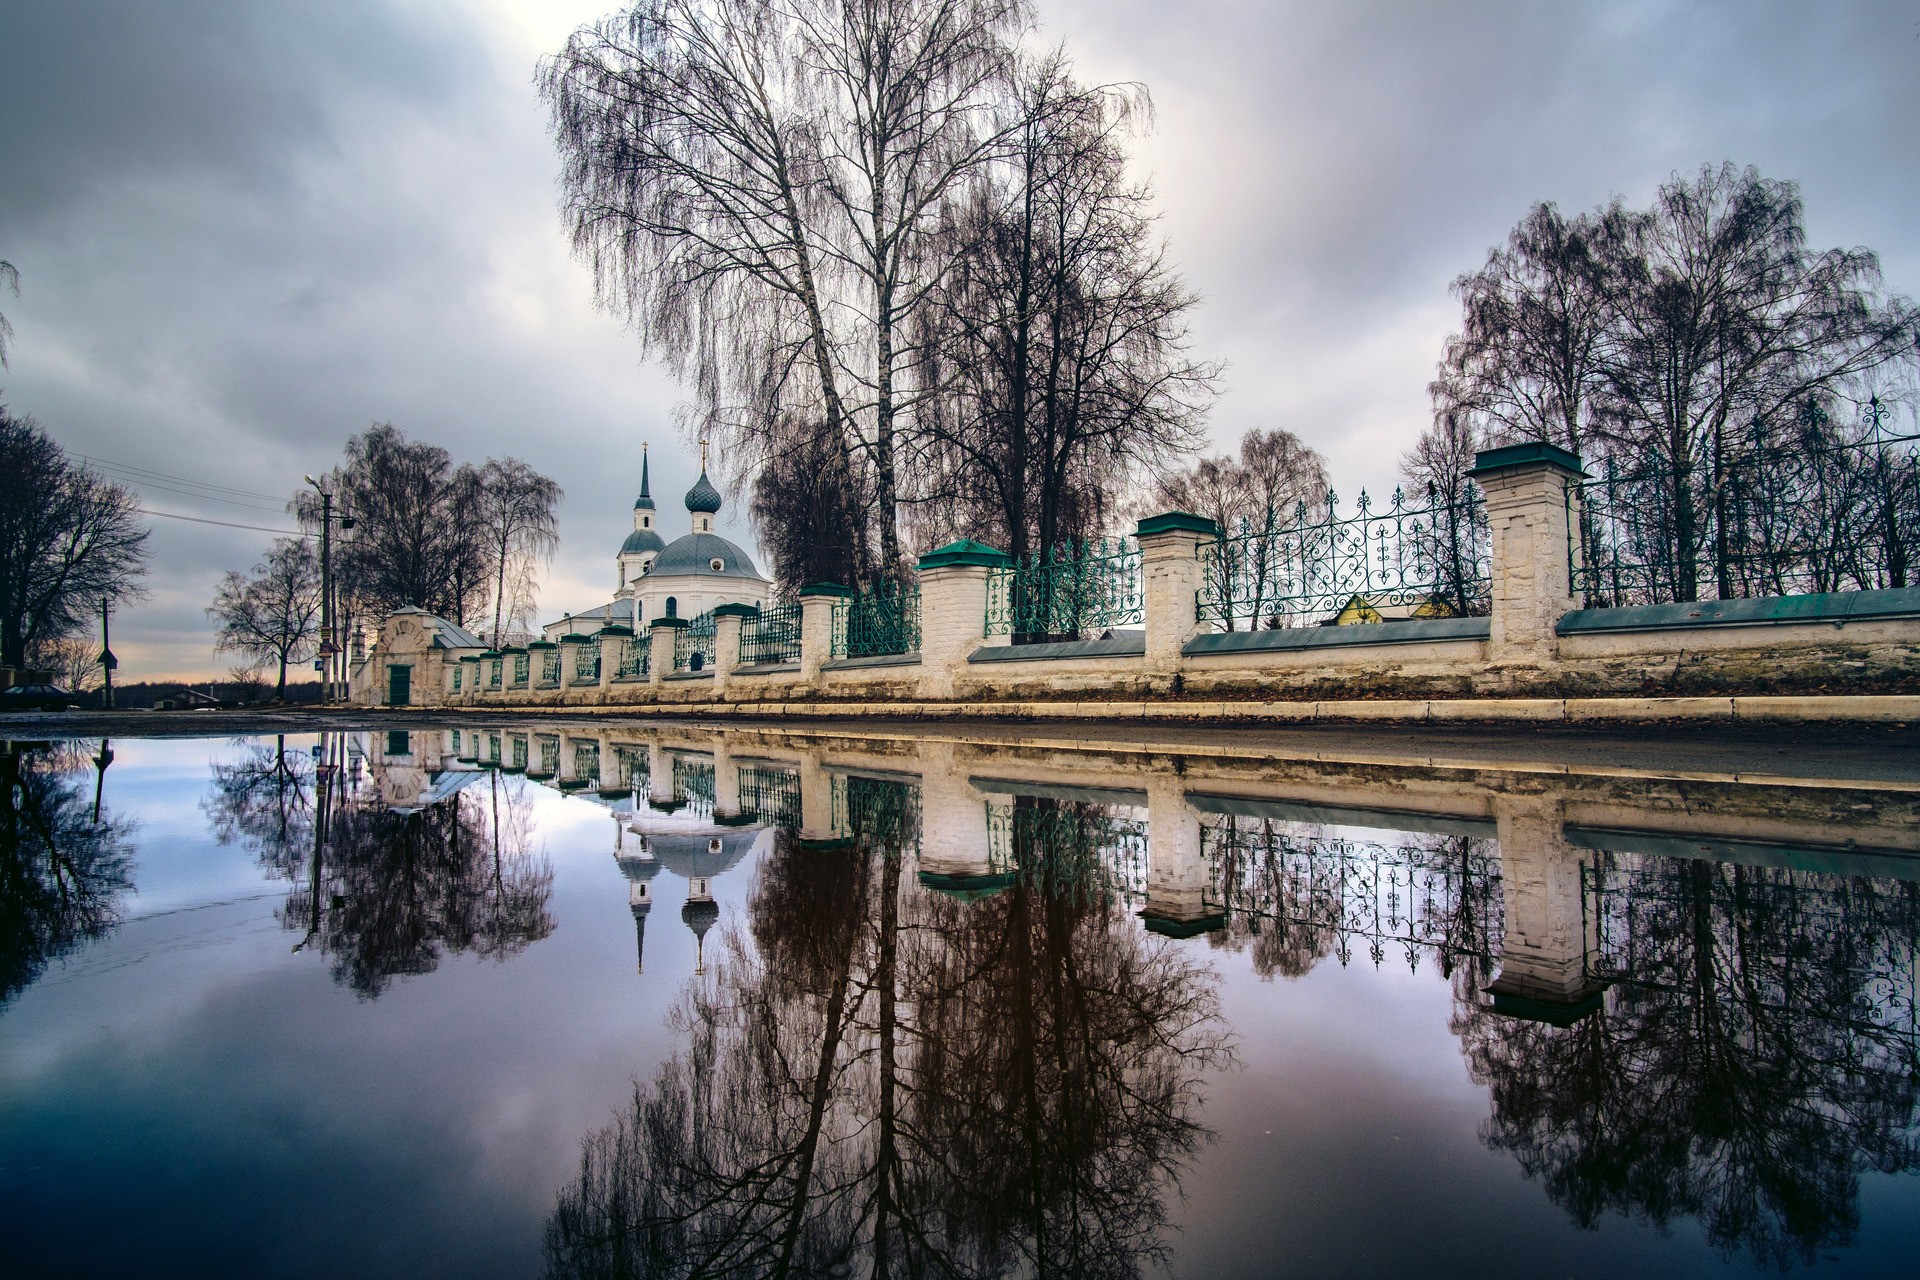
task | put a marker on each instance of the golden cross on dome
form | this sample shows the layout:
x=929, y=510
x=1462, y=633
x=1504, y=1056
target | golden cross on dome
x=703, y=455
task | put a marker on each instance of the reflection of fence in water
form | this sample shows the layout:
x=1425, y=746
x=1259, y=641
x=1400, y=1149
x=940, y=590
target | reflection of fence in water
x=586, y=761
x=1800, y=944
x=693, y=782
x=633, y=768
x=886, y=810
x=770, y=794
x=1070, y=844
x=1437, y=895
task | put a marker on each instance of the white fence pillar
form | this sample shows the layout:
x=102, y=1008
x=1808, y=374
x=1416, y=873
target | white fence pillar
x=613, y=650
x=1171, y=577
x=1529, y=513
x=728, y=620
x=953, y=611
x=663, y=633
x=817, y=601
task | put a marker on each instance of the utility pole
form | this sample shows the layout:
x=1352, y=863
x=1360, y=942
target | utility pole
x=326, y=651
x=107, y=661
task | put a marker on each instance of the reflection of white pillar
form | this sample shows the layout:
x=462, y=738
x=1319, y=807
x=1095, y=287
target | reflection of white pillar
x=816, y=801
x=953, y=823
x=1543, y=952
x=659, y=774
x=610, y=779
x=1176, y=871
x=726, y=783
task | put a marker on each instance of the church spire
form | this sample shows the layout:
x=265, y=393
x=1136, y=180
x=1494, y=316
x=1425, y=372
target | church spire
x=645, y=501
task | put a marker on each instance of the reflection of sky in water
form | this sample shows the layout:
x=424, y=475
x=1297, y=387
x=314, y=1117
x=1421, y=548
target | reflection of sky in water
x=187, y=1096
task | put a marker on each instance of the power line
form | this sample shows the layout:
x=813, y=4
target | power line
x=227, y=524
x=191, y=493
x=188, y=480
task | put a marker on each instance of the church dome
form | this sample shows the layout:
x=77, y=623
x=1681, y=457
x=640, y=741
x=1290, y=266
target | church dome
x=703, y=496
x=695, y=555
x=699, y=916
x=641, y=541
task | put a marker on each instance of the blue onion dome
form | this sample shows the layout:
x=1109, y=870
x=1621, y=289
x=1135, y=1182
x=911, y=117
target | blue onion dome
x=703, y=496
x=699, y=916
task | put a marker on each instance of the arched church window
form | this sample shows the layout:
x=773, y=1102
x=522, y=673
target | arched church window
x=673, y=607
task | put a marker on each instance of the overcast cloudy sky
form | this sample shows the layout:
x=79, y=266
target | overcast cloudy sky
x=246, y=230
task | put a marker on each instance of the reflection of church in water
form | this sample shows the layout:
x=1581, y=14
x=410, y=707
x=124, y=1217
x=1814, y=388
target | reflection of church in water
x=682, y=838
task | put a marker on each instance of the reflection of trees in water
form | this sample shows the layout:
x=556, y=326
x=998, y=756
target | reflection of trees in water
x=1295, y=895
x=1757, y=1052
x=64, y=866
x=891, y=1080
x=264, y=802
x=397, y=889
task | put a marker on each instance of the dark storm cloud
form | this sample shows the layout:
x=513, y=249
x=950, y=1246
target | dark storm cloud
x=245, y=231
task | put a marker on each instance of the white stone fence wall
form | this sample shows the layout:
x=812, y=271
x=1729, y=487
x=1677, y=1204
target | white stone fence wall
x=1534, y=643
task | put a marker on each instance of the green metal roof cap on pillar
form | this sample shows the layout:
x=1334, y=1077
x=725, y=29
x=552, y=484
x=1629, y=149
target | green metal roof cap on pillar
x=735, y=609
x=1170, y=521
x=966, y=888
x=965, y=552
x=827, y=589
x=1513, y=455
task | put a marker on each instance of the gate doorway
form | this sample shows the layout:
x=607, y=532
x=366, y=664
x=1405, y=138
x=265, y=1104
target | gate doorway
x=399, y=686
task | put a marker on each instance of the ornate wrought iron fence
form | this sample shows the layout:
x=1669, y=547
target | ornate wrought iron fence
x=586, y=662
x=522, y=669
x=493, y=673
x=1763, y=515
x=636, y=659
x=549, y=667
x=693, y=644
x=882, y=620
x=549, y=755
x=771, y=636
x=1307, y=894
x=1077, y=591
x=1432, y=559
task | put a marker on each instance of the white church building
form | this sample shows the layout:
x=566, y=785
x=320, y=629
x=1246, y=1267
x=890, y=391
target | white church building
x=680, y=579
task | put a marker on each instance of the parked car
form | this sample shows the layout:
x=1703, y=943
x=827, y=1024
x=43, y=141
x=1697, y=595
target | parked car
x=37, y=697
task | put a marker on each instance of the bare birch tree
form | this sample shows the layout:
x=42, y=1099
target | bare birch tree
x=516, y=523
x=757, y=187
x=273, y=613
x=1059, y=339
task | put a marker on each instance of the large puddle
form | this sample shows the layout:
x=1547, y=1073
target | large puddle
x=672, y=1001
